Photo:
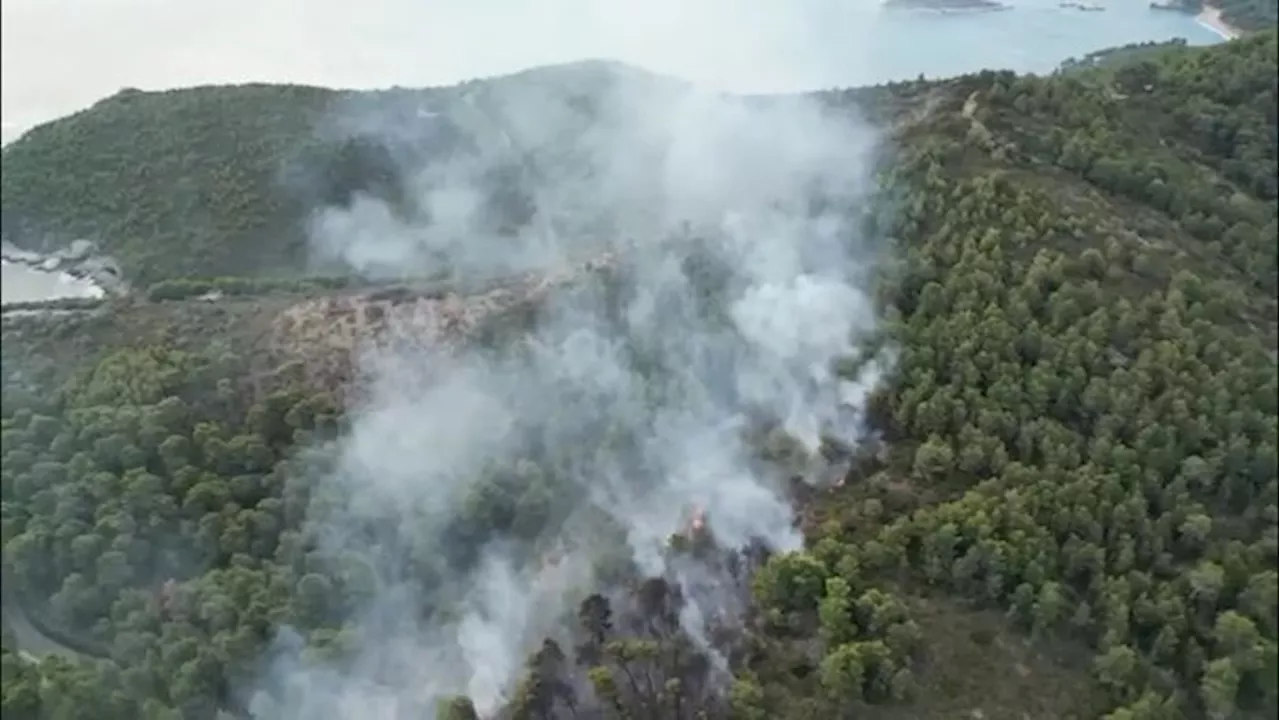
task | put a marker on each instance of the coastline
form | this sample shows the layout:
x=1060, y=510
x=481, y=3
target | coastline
x=73, y=272
x=1211, y=17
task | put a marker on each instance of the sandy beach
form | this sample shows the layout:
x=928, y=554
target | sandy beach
x=1211, y=17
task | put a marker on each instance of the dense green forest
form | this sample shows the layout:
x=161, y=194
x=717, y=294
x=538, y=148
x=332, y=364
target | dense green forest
x=199, y=177
x=220, y=181
x=1122, y=55
x=1074, y=514
x=1243, y=15
x=1249, y=15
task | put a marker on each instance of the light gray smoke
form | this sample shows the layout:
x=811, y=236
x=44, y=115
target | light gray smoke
x=736, y=276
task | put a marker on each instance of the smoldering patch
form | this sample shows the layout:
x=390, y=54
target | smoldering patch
x=628, y=410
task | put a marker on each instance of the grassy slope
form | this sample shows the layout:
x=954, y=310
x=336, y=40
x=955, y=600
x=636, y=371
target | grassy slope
x=999, y=138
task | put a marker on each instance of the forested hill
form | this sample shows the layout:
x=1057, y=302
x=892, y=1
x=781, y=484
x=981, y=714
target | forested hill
x=1073, y=514
x=1243, y=15
x=1249, y=15
x=222, y=180
x=182, y=182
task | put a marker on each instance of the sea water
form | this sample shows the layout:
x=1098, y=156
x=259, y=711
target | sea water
x=1033, y=36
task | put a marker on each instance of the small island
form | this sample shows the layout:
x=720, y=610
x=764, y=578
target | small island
x=1190, y=8
x=949, y=6
x=1081, y=5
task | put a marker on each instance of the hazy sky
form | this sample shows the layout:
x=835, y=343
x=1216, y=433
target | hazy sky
x=57, y=56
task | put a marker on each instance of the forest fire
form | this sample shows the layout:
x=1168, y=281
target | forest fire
x=695, y=528
x=164, y=596
x=698, y=522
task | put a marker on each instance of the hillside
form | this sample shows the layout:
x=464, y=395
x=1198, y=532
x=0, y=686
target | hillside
x=216, y=181
x=1243, y=16
x=1249, y=15
x=1067, y=507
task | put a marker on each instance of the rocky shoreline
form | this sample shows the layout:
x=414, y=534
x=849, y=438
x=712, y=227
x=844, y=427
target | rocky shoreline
x=79, y=260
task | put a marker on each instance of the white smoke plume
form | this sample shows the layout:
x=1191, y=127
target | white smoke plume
x=737, y=276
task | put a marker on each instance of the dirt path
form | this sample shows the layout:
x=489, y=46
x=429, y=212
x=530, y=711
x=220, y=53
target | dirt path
x=34, y=644
x=31, y=642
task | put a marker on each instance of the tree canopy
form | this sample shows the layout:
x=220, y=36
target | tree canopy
x=1074, y=513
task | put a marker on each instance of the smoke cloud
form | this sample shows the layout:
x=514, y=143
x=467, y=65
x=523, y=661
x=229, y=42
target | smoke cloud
x=728, y=274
